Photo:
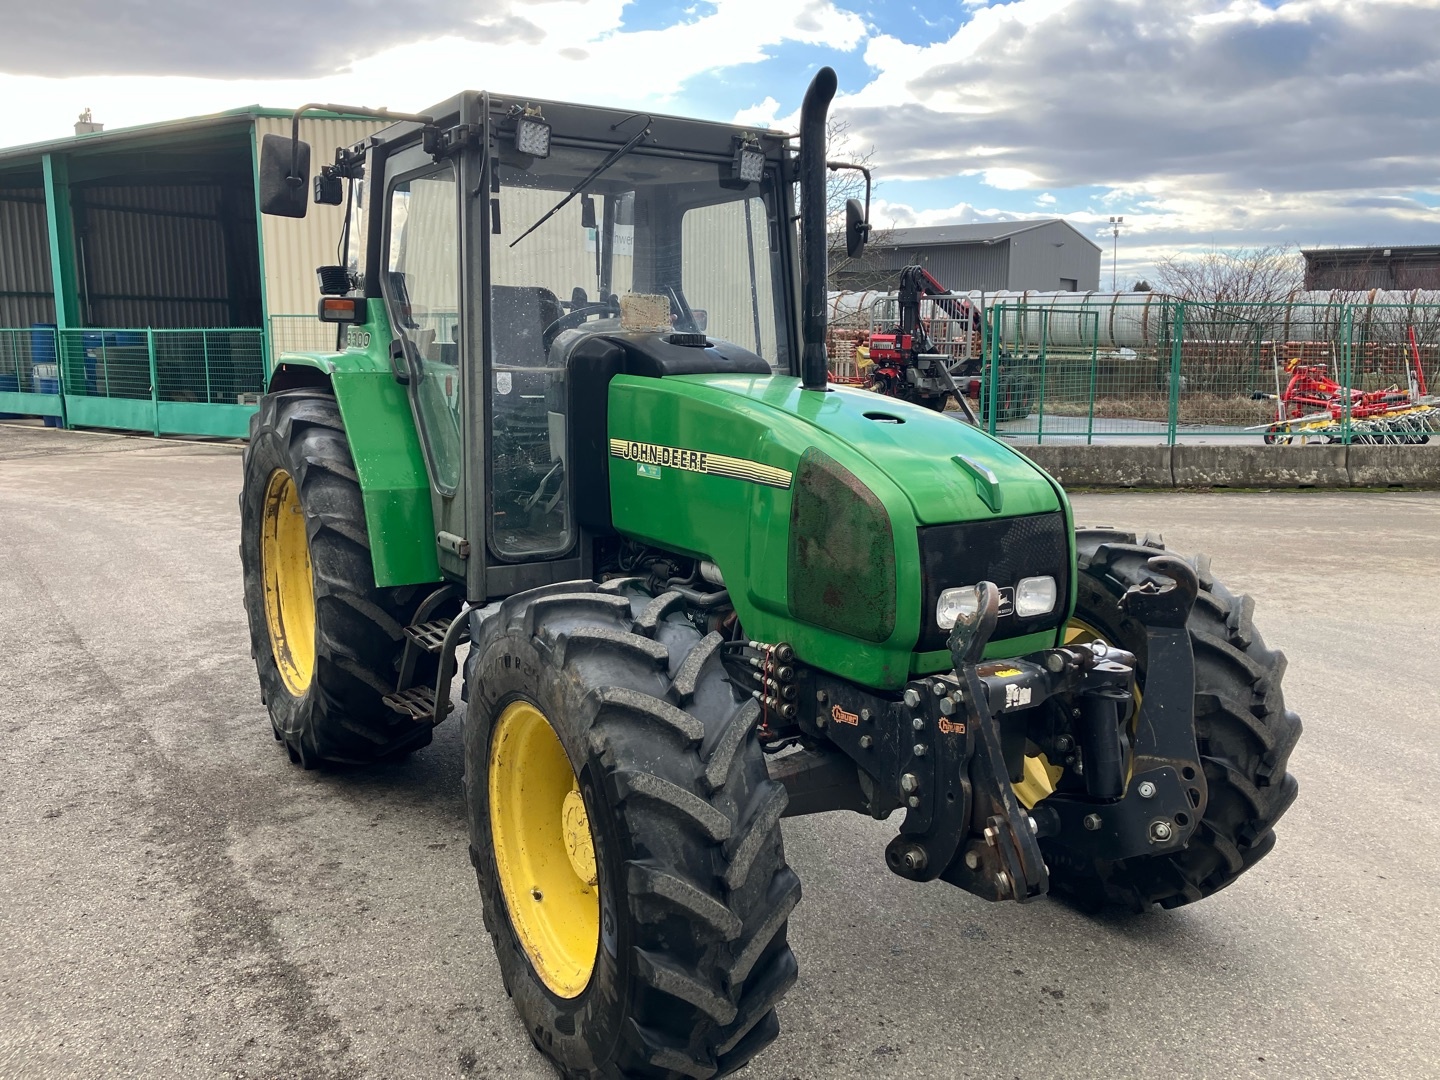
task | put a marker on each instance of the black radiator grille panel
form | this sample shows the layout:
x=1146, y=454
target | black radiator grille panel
x=1002, y=551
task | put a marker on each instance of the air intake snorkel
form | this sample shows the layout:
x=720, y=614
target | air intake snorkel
x=814, y=366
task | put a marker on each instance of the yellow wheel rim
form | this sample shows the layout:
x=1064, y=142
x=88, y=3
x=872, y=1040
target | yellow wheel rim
x=544, y=849
x=289, y=584
x=1040, y=776
x=1039, y=780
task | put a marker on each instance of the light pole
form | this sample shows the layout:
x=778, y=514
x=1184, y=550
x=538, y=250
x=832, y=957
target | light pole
x=1115, y=223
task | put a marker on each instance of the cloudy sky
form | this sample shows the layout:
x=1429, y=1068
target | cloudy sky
x=1205, y=124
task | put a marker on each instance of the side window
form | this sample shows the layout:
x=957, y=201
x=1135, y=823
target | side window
x=727, y=268
x=423, y=287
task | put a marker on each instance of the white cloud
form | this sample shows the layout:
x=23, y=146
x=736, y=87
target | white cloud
x=1309, y=120
x=619, y=67
x=761, y=116
x=1207, y=122
x=1009, y=178
x=898, y=215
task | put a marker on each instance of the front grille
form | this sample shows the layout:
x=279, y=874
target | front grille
x=1002, y=551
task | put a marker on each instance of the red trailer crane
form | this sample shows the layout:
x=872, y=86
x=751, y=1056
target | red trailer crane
x=909, y=363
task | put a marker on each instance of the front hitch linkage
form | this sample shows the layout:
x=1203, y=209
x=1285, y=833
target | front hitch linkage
x=1141, y=794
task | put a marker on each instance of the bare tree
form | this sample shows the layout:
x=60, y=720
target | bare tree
x=846, y=273
x=1236, y=317
x=1250, y=275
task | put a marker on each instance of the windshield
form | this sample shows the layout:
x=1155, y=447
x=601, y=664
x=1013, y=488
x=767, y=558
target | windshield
x=648, y=224
x=651, y=225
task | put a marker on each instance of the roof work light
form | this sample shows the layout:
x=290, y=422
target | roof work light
x=749, y=163
x=532, y=134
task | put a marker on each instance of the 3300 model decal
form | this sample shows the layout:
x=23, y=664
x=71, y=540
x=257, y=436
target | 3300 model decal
x=649, y=456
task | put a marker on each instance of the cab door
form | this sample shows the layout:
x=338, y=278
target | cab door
x=422, y=280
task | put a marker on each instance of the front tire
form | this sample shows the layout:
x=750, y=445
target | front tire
x=326, y=640
x=1242, y=729
x=689, y=955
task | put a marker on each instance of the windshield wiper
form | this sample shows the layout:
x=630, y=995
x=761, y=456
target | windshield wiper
x=615, y=156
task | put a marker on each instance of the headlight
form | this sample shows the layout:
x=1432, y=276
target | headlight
x=956, y=602
x=1035, y=596
x=1031, y=597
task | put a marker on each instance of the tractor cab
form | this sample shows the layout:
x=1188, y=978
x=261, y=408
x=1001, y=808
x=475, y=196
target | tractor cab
x=491, y=241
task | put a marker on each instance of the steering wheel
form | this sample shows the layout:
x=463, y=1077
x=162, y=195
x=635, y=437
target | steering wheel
x=573, y=318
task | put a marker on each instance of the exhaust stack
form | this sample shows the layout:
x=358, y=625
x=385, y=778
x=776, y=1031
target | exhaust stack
x=814, y=368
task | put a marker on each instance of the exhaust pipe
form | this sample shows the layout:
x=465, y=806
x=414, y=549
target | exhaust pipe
x=814, y=367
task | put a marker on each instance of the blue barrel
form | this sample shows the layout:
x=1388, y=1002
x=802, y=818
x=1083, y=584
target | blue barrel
x=46, y=380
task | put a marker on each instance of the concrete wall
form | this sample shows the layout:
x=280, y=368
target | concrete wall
x=1212, y=465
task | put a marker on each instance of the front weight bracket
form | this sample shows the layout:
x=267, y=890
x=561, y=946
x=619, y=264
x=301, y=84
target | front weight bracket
x=1166, y=796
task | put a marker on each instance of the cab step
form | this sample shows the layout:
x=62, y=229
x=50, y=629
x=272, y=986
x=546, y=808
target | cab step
x=430, y=636
x=417, y=702
x=435, y=637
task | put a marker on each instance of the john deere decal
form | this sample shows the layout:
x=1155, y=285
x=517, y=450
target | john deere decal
x=697, y=461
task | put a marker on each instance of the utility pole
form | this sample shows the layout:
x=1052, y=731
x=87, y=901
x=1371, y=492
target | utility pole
x=1115, y=223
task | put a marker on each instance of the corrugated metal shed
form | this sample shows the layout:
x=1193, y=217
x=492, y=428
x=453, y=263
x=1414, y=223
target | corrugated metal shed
x=152, y=255
x=164, y=223
x=1410, y=267
x=1044, y=254
x=977, y=231
x=25, y=294
x=978, y=265
x=1054, y=255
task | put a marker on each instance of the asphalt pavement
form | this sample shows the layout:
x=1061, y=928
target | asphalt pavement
x=178, y=900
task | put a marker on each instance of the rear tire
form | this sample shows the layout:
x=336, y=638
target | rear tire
x=337, y=715
x=693, y=887
x=1242, y=728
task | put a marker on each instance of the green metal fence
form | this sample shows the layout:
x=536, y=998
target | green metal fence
x=190, y=382
x=1176, y=371
x=1164, y=371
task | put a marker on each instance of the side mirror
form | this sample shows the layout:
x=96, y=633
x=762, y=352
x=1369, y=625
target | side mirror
x=284, y=176
x=587, y=212
x=857, y=229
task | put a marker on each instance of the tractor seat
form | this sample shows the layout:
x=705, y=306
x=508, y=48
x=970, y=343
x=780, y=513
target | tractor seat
x=519, y=315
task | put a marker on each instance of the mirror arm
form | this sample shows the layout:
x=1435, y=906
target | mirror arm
x=836, y=166
x=344, y=110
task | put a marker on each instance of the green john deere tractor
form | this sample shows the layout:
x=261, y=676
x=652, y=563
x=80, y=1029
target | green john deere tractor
x=578, y=417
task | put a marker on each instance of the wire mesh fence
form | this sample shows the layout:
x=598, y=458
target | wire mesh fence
x=1277, y=373
x=1340, y=370
x=181, y=381
x=203, y=366
x=27, y=361
x=301, y=333
x=194, y=381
